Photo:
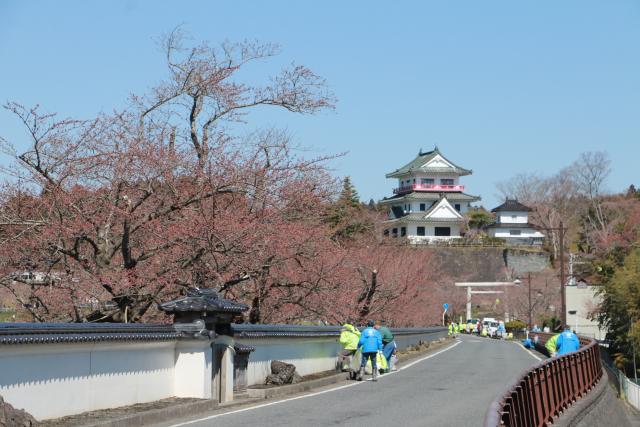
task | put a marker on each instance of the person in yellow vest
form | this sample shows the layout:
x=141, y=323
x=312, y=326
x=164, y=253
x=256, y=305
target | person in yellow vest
x=552, y=345
x=450, y=328
x=485, y=331
x=349, y=338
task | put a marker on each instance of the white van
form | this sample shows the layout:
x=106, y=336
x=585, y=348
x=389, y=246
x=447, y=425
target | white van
x=486, y=321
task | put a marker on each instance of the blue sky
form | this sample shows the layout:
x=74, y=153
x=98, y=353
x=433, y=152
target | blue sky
x=501, y=87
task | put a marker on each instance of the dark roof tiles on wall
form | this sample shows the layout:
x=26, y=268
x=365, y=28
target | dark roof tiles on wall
x=202, y=300
x=54, y=333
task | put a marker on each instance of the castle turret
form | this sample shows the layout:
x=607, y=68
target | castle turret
x=429, y=202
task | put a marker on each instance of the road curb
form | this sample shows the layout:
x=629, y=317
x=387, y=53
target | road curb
x=157, y=415
x=268, y=393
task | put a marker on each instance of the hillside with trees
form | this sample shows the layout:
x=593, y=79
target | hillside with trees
x=603, y=232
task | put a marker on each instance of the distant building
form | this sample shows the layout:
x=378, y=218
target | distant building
x=429, y=202
x=34, y=278
x=582, y=301
x=512, y=224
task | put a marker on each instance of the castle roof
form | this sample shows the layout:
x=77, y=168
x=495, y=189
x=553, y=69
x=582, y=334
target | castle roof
x=430, y=197
x=512, y=205
x=430, y=162
x=440, y=211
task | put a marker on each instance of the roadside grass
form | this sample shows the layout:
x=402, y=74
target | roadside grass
x=7, y=316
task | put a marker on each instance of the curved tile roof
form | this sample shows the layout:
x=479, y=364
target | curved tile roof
x=430, y=196
x=202, y=300
x=422, y=158
x=512, y=205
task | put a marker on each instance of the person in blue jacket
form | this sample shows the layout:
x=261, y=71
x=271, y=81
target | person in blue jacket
x=371, y=342
x=568, y=342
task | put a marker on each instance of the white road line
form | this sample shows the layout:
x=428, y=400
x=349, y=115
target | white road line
x=539, y=359
x=316, y=393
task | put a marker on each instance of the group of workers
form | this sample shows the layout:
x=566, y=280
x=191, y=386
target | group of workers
x=480, y=328
x=375, y=343
x=558, y=345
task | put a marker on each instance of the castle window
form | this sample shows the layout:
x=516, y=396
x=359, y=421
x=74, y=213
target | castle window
x=403, y=231
x=423, y=206
x=446, y=181
x=443, y=231
x=421, y=231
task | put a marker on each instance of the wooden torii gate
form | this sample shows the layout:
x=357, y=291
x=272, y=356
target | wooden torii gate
x=470, y=285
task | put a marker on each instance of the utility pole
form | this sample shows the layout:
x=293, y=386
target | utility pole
x=563, y=290
x=530, y=306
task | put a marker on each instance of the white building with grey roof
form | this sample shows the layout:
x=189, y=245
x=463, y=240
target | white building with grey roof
x=512, y=224
x=429, y=202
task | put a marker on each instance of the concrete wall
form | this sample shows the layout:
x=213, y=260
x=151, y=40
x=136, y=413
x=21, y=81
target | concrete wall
x=583, y=300
x=525, y=261
x=309, y=355
x=599, y=407
x=54, y=380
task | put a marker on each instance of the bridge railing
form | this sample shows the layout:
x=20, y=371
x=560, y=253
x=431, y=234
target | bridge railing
x=541, y=393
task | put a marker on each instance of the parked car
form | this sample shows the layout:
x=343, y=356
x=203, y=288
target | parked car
x=486, y=322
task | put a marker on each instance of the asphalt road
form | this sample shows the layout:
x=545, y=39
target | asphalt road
x=453, y=387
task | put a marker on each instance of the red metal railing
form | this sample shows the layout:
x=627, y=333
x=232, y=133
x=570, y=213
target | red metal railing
x=547, y=389
x=428, y=187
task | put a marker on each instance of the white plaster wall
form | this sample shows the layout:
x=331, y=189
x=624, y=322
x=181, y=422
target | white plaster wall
x=436, y=179
x=193, y=365
x=525, y=233
x=309, y=355
x=54, y=380
x=412, y=230
x=513, y=217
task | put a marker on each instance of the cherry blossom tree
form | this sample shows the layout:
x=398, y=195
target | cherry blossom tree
x=126, y=209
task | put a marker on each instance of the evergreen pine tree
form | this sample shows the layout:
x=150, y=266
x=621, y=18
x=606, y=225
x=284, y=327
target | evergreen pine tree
x=345, y=216
x=349, y=193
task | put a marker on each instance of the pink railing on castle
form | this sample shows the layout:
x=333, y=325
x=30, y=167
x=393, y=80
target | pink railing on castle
x=428, y=187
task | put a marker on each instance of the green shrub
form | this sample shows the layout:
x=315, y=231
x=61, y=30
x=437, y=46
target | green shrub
x=515, y=325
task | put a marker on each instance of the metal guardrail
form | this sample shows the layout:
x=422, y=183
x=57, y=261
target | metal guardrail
x=626, y=388
x=544, y=391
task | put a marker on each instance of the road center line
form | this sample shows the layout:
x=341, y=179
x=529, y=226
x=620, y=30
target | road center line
x=539, y=359
x=355, y=383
